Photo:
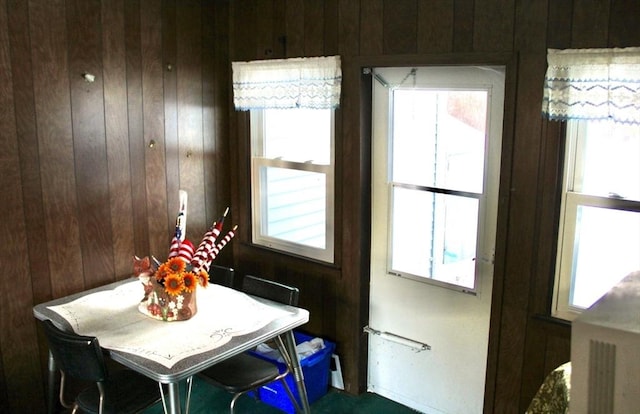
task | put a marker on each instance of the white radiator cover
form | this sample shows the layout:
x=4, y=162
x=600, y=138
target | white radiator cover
x=605, y=353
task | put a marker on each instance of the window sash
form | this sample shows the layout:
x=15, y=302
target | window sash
x=568, y=239
x=259, y=166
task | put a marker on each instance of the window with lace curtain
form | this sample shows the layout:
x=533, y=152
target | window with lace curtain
x=597, y=93
x=292, y=104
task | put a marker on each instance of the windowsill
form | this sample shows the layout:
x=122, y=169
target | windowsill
x=552, y=319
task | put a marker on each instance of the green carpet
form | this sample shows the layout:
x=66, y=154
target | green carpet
x=207, y=399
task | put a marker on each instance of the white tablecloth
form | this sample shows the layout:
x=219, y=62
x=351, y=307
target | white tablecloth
x=113, y=315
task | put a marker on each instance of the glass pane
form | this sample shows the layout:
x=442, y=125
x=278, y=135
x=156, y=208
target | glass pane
x=300, y=135
x=608, y=155
x=434, y=236
x=606, y=249
x=295, y=206
x=439, y=138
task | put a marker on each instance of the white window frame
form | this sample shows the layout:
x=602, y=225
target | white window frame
x=460, y=78
x=570, y=202
x=258, y=206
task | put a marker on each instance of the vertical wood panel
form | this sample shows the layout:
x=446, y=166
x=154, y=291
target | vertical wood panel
x=117, y=137
x=267, y=32
x=463, y=25
x=17, y=333
x=623, y=23
x=22, y=75
x=590, y=23
x=89, y=147
x=33, y=216
x=170, y=88
x=294, y=14
x=76, y=160
x=348, y=208
x=153, y=128
x=55, y=144
x=210, y=27
x=559, y=25
x=493, y=25
x=371, y=32
x=135, y=125
x=215, y=116
x=331, y=27
x=435, y=26
x=530, y=21
x=400, y=26
x=189, y=93
x=519, y=264
x=313, y=27
x=348, y=27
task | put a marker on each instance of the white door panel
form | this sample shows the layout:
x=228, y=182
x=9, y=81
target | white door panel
x=450, y=376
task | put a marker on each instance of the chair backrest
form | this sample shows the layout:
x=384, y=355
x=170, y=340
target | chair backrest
x=271, y=290
x=76, y=355
x=221, y=275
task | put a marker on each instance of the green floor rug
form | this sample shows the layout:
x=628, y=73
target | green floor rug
x=207, y=399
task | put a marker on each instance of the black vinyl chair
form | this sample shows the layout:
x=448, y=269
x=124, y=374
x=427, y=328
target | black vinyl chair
x=81, y=357
x=221, y=275
x=244, y=372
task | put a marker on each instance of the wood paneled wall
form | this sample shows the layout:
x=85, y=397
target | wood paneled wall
x=91, y=171
x=525, y=344
x=85, y=189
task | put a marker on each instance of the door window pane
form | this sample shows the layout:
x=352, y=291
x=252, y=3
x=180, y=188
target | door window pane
x=439, y=138
x=437, y=173
x=439, y=242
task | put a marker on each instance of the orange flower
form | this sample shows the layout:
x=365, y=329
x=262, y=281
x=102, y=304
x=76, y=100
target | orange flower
x=173, y=284
x=176, y=265
x=162, y=272
x=203, y=278
x=189, y=281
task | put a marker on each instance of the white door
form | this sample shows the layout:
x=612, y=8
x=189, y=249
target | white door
x=436, y=154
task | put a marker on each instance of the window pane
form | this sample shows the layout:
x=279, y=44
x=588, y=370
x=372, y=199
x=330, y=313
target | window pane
x=439, y=243
x=607, y=247
x=295, y=206
x=300, y=135
x=608, y=160
x=439, y=138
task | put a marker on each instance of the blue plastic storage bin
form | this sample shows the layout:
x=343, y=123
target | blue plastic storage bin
x=315, y=369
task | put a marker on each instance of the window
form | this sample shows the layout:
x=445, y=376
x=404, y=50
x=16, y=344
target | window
x=441, y=151
x=292, y=180
x=599, y=236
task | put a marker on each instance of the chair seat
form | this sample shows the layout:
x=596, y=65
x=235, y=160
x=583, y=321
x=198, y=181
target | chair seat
x=241, y=373
x=125, y=392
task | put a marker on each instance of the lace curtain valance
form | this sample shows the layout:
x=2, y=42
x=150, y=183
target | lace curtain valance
x=287, y=83
x=594, y=84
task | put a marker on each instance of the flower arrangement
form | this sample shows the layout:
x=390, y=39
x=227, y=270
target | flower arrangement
x=170, y=287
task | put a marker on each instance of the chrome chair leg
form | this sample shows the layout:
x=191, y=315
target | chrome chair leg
x=164, y=403
x=189, y=385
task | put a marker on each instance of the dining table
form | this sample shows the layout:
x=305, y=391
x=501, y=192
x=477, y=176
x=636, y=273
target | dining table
x=227, y=322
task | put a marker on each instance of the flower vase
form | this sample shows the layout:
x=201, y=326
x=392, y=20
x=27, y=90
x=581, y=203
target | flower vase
x=162, y=306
